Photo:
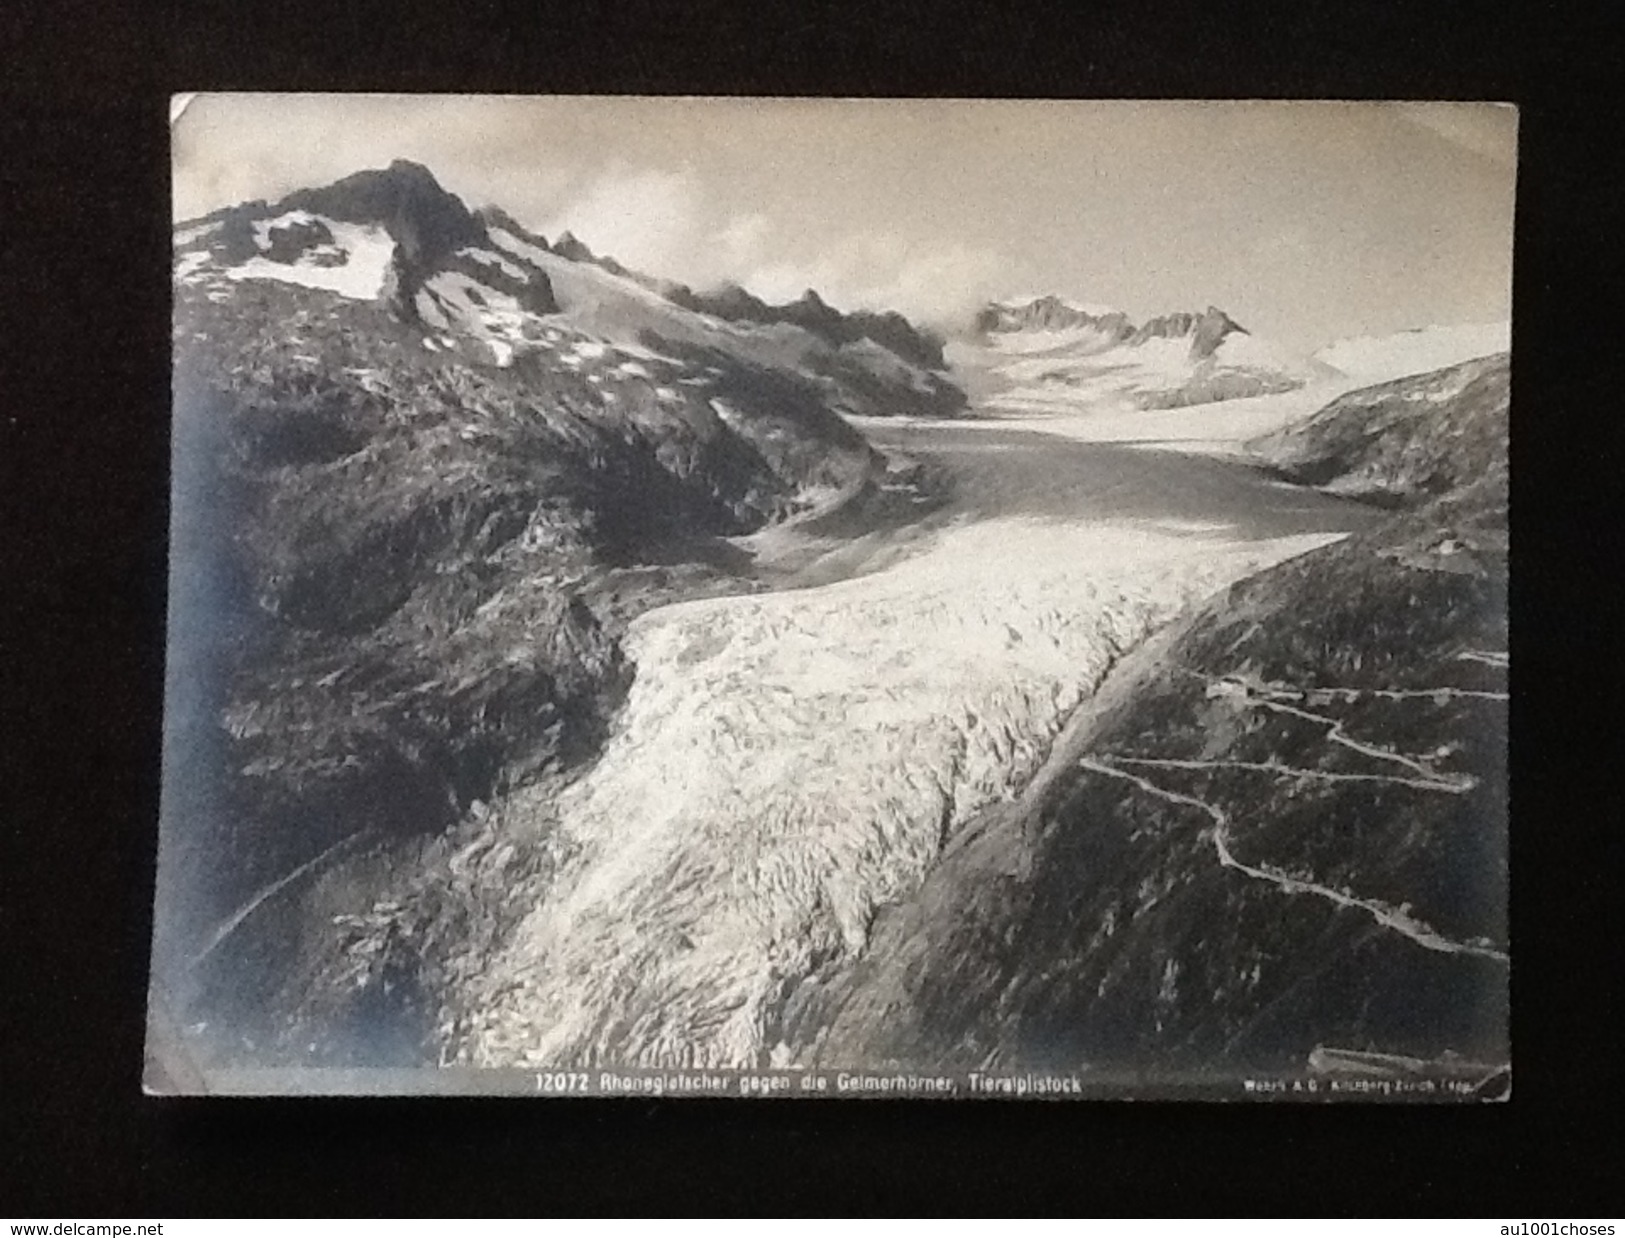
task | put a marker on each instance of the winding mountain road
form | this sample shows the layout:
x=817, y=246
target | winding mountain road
x=1395, y=918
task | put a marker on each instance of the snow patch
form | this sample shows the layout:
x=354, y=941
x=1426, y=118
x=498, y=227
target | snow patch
x=429, y=310
x=188, y=265
x=264, y=227
x=365, y=252
x=467, y=297
x=185, y=236
x=483, y=312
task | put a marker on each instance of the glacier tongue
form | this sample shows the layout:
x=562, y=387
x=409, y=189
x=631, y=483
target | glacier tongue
x=788, y=763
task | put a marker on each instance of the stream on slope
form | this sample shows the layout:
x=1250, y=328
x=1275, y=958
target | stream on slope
x=787, y=763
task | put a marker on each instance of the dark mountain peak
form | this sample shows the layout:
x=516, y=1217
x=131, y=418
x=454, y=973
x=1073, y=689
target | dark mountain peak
x=425, y=219
x=1210, y=330
x=731, y=302
x=572, y=247
x=427, y=222
x=496, y=217
x=1206, y=330
x=893, y=331
x=376, y=194
x=811, y=311
x=409, y=172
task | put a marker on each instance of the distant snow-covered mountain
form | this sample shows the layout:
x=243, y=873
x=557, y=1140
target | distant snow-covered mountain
x=1052, y=352
x=1047, y=313
x=1380, y=358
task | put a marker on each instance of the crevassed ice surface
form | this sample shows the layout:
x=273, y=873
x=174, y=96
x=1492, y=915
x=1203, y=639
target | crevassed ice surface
x=788, y=763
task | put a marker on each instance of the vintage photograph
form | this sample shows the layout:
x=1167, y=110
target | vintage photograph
x=837, y=597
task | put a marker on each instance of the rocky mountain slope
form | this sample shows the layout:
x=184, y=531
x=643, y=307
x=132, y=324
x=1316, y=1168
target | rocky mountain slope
x=1274, y=841
x=1405, y=440
x=427, y=470
x=1048, y=352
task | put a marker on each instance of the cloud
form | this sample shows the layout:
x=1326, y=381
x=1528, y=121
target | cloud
x=742, y=242
x=660, y=222
x=646, y=219
x=940, y=284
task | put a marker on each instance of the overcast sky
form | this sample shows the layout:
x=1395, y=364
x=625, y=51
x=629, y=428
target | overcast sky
x=1304, y=221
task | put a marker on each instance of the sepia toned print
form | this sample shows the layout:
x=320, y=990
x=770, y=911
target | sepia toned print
x=839, y=598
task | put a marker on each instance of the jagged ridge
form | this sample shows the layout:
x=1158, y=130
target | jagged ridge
x=1053, y=313
x=1053, y=353
x=733, y=303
